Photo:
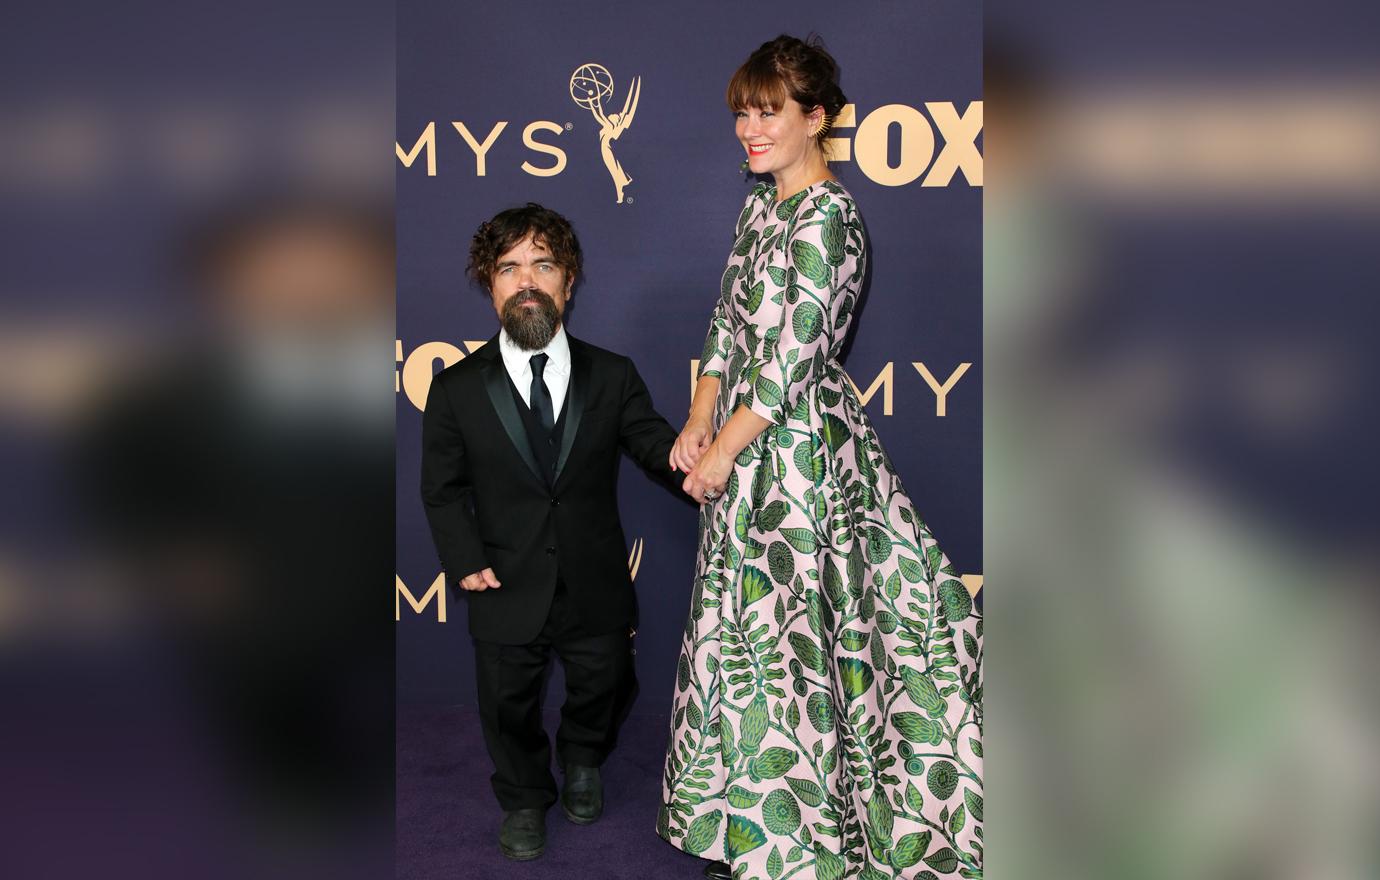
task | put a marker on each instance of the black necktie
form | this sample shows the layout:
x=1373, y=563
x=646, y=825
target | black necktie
x=541, y=397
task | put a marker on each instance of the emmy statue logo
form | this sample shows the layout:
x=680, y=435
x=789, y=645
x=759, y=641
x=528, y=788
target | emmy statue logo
x=590, y=84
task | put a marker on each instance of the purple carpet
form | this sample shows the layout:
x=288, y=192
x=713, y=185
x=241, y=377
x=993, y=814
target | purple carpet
x=448, y=819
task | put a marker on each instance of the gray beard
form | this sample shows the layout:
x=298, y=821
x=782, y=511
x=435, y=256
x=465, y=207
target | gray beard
x=531, y=329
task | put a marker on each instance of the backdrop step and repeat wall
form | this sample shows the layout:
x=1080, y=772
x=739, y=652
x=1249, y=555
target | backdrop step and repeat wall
x=545, y=101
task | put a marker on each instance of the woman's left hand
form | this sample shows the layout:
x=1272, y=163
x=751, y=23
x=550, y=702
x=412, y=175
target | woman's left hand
x=710, y=475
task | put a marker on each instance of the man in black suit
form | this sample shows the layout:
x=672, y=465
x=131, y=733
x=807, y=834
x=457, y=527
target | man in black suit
x=520, y=456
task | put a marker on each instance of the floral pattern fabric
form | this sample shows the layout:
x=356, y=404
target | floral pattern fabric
x=828, y=702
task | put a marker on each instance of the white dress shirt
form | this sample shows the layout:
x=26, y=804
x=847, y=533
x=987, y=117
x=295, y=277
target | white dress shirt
x=518, y=362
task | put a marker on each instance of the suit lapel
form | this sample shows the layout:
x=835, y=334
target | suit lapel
x=575, y=397
x=496, y=383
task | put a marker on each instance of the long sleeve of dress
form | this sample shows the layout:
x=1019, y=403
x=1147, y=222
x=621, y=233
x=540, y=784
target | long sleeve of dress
x=805, y=333
x=719, y=342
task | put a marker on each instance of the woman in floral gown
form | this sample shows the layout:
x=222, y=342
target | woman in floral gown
x=827, y=714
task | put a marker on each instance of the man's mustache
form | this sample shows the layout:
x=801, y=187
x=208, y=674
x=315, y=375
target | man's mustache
x=533, y=295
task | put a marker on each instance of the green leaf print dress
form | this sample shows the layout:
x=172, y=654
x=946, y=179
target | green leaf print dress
x=828, y=703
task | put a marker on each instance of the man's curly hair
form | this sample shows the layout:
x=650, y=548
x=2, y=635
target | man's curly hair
x=498, y=236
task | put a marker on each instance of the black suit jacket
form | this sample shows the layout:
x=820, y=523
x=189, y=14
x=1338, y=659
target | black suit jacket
x=489, y=505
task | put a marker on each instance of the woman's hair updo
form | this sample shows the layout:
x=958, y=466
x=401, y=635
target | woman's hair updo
x=788, y=67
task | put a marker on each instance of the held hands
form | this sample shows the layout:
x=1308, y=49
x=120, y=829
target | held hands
x=696, y=455
x=694, y=439
x=707, y=479
x=480, y=580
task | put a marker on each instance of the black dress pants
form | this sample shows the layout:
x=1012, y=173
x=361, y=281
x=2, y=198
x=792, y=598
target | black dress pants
x=598, y=682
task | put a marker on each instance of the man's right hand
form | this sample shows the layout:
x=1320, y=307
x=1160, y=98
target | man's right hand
x=480, y=580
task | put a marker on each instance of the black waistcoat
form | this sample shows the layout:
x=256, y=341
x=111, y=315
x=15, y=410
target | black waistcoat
x=546, y=450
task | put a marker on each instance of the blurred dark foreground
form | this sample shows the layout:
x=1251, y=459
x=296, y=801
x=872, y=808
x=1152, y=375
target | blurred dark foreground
x=1181, y=269
x=196, y=553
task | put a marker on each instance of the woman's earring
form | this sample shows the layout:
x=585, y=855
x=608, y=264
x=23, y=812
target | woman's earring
x=825, y=120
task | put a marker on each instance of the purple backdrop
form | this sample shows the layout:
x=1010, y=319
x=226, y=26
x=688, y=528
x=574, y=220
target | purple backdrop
x=913, y=73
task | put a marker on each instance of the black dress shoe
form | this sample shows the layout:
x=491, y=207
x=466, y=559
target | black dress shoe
x=718, y=871
x=523, y=835
x=583, y=796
